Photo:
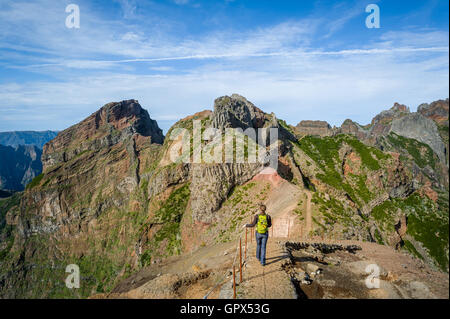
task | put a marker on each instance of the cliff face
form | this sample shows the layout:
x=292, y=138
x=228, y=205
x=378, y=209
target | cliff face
x=18, y=166
x=112, y=124
x=73, y=209
x=116, y=196
x=317, y=128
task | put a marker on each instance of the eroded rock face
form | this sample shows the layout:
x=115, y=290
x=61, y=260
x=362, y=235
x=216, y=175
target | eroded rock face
x=113, y=123
x=437, y=111
x=420, y=128
x=211, y=185
x=353, y=128
x=90, y=168
x=236, y=111
x=317, y=128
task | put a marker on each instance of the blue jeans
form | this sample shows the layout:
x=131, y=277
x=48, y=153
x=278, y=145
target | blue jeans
x=261, y=241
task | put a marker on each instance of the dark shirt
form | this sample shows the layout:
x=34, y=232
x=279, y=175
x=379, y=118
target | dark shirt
x=255, y=221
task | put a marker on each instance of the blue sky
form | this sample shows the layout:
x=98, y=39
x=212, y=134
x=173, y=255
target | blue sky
x=298, y=59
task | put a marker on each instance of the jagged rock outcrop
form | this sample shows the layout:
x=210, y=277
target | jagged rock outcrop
x=236, y=111
x=437, y=111
x=353, y=128
x=211, y=185
x=422, y=129
x=380, y=123
x=18, y=166
x=316, y=128
x=113, y=123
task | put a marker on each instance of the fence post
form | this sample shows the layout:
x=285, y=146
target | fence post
x=234, y=282
x=245, y=251
x=240, y=260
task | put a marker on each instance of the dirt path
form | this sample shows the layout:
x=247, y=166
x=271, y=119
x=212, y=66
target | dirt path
x=308, y=213
x=270, y=281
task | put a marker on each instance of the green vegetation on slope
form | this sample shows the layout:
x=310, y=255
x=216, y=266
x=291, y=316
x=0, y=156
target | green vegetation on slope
x=325, y=153
x=421, y=153
x=168, y=217
x=426, y=224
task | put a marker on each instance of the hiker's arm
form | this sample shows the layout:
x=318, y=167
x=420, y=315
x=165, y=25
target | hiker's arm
x=269, y=221
x=255, y=220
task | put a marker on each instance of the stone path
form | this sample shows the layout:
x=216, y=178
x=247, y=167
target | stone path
x=268, y=282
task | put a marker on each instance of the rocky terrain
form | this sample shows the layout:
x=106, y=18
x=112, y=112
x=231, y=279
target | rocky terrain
x=120, y=200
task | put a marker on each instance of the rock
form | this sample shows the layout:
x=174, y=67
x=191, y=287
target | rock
x=359, y=268
x=316, y=128
x=212, y=183
x=326, y=282
x=419, y=290
x=113, y=123
x=353, y=128
x=236, y=111
x=437, y=111
x=418, y=127
x=311, y=268
x=300, y=276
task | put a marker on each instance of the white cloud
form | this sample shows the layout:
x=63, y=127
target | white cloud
x=278, y=67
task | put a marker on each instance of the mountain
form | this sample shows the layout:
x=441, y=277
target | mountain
x=18, y=166
x=127, y=204
x=26, y=138
x=20, y=158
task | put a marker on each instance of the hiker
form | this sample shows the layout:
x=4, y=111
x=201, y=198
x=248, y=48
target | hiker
x=262, y=222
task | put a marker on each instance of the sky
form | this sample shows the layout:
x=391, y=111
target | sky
x=302, y=60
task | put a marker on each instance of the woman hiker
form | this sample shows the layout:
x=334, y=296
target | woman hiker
x=262, y=222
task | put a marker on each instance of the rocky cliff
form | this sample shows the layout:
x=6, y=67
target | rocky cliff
x=318, y=128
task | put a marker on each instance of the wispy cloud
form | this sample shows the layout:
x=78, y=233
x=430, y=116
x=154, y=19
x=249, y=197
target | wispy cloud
x=282, y=67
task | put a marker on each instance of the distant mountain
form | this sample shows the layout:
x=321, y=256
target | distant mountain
x=18, y=166
x=27, y=138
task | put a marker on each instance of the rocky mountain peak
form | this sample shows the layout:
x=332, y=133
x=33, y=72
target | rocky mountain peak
x=400, y=108
x=128, y=113
x=236, y=111
x=437, y=111
x=111, y=124
x=317, y=128
x=396, y=111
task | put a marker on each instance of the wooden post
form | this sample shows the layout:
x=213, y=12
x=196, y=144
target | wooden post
x=234, y=282
x=240, y=260
x=245, y=251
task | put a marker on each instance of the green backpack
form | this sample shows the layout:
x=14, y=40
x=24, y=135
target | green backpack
x=261, y=227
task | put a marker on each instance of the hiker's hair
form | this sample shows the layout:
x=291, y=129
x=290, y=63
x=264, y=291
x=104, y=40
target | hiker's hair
x=263, y=207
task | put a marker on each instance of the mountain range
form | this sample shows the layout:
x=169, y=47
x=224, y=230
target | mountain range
x=36, y=138
x=116, y=197
x=20, y=158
